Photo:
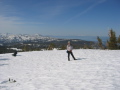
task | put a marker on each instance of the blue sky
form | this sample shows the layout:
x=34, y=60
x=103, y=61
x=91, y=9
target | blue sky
x=60, y=17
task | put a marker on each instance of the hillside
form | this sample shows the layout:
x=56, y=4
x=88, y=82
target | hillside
x=37, y=42
x=50, y=70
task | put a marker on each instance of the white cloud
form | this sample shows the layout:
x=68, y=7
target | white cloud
x=7, y=24
x=15, y=25
x=86, y=10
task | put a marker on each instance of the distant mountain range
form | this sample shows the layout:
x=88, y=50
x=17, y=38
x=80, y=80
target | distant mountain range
x=38, y=42
x=7, y=38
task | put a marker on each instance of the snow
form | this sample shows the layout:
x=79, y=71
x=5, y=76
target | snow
x=51, y=70
x=15, y=49
x=23, y=37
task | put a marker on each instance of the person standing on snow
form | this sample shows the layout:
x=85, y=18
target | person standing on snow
x=69, y=51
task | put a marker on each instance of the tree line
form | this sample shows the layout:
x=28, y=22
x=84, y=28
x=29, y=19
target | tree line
x=113, y=43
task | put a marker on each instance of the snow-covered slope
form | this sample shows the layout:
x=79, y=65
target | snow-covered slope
x=50, y=70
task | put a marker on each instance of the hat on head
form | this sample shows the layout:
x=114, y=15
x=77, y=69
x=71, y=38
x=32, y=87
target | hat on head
x=68, y=41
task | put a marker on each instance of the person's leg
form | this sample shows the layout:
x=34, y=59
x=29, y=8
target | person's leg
x=73, y=56
x=68, y=56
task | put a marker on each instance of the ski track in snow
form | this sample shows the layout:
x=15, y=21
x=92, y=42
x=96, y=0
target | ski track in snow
x=51, y=70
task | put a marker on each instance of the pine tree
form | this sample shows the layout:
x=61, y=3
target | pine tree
x=112, y=42
x=118, y=42
x=51, y=46
x=100, y=42
x=118, y=39
x=63, y=47
x=85, y=46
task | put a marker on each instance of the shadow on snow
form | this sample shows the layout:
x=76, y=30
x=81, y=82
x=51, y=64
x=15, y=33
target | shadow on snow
x=4, y=59
x=81, y=58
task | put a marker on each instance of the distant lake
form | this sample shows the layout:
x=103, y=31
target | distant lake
x=86, y=38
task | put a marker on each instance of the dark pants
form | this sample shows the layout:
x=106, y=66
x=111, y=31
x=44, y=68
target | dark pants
x=69, y=52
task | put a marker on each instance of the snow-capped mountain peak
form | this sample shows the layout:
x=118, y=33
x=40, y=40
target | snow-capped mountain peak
x=21, y=37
